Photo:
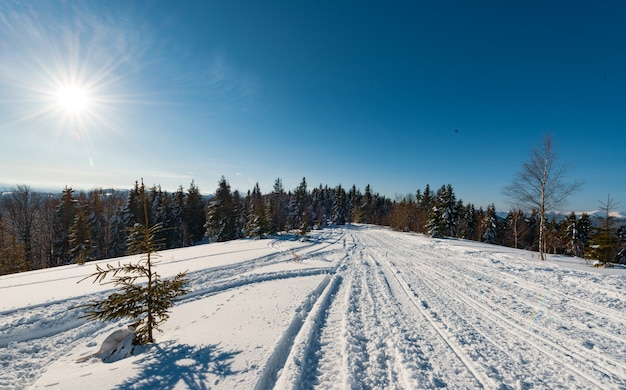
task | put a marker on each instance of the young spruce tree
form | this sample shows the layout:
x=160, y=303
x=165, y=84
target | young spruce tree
x=143, y=296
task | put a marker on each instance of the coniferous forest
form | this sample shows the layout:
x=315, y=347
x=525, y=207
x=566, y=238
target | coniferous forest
x=41, y=230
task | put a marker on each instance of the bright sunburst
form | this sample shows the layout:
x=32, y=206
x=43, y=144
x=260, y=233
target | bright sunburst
x=66, y=79
x=73, y=99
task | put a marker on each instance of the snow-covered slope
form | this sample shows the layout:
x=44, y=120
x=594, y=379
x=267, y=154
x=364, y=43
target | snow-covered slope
x=352, y=307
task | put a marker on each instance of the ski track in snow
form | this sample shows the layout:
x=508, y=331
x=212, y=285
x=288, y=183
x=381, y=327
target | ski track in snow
x=395, y=311
x=37, y=334
x=413, y=312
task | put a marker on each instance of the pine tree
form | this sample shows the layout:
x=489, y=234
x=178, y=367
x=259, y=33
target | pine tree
x=366, y=206
x=147, y=304
x=354, y=200
x=435, y=224
x=603, y=244
x=222, y=214
x=303, y=205
x=583, y=226
x=239, y=215
x=460, y=224
x=424, y=203
x=97, y=223
x=339, y=206
x=574, y=246
x=194, y=215
x=442, y=215
x=278, y=208
x=256, y=221
x=490, y=224
x=64, y=218
x=117, y=235
x=621, y=238
x=79, y=239
x=180, y=228
x=470, y=221
x=305, y=227
x=132, y=211
x=319, y=207
x=447, y=202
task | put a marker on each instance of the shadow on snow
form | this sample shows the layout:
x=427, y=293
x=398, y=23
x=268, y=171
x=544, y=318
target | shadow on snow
x=165, y=366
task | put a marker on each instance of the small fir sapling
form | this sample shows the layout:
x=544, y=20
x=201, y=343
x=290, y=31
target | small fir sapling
x=143, y=296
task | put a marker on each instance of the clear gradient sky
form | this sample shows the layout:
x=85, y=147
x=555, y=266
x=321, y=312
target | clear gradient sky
x=394, y=94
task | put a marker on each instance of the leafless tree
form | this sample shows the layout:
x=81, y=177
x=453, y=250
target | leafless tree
x=22, y=208
x=540, y=185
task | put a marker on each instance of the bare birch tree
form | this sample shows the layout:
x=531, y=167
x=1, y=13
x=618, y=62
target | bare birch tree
x=540, y=185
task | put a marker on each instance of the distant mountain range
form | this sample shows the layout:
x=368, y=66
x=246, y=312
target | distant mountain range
x=561, y=215
x=594, y=213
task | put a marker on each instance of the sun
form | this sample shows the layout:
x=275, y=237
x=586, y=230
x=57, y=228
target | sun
x=73, y=99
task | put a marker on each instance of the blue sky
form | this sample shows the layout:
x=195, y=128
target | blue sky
x=394, y=94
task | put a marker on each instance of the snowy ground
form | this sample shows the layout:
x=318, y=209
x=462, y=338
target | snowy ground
x=363, y=308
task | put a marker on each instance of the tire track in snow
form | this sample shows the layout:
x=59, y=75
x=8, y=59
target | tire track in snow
x=535, y=282
x=362, y=340
x=446, y=337
x=290, y=362
x=331, y=369
x=569, y=307
x=565, y=335
x=565, y=339
x=570, y=358
x=473, y=314
x=418, y=355
x=408, y=368
x=293, y=352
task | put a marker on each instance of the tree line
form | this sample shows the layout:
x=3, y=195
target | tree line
x=41, y=230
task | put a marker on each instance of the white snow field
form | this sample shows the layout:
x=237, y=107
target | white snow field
x=354, y=307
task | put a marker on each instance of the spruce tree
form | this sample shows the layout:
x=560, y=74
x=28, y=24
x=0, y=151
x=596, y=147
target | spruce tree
x=180, y=227
x=424, y=208
x=222, y=214
x=64, y=218
x=574, y=246
x=339, y=206
x=354, y=200
x=194, y=215
x=117, y=235
x=490, y=224
x=435, y=224
x=143, y=296
x=239, y=215
x=470, y=221
x=583, y=225
x=79, y=238
x=621, y=238
x=366, y=206
x=278, y=207
x=256, y=220
x=96, y=220
x=603, y=244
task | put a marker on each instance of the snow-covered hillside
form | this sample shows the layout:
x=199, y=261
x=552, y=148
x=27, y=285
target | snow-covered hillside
x=352, y=307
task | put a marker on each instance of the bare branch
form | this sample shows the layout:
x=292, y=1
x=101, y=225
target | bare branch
x=540, y=185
